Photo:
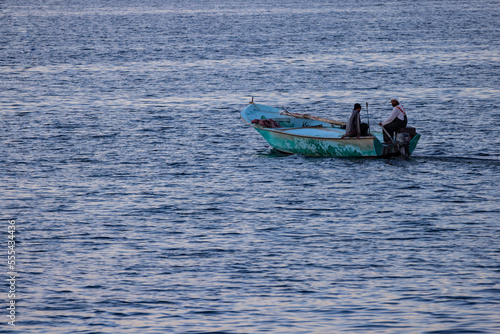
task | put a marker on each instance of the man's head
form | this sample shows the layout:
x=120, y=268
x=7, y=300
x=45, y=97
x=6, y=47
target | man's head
x=357, y=106
x=394, y=101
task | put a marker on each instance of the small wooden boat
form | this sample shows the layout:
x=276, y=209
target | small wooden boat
x=295, y=133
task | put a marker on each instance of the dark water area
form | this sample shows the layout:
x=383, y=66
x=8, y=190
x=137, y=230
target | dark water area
x=143, y=203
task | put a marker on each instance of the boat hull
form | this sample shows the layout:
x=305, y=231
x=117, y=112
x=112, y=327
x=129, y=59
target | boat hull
x=322, y=147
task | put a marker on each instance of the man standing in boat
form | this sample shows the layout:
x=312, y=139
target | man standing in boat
x=396, y=120
x=354, y=127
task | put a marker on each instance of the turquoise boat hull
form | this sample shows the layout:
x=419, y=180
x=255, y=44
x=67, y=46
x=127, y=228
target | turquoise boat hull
x=316, y=138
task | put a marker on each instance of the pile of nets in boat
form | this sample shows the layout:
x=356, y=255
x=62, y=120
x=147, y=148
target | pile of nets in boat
x=266, y=123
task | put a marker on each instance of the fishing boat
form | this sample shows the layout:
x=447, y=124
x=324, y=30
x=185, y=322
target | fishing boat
x=296, y=133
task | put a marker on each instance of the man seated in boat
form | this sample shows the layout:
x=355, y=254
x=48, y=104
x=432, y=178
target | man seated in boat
x=396, y=120
x=354, y=127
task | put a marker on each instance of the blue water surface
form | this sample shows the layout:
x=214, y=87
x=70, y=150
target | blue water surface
x=144, y=204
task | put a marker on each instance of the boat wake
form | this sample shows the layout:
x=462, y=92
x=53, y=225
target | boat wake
x=458, y=160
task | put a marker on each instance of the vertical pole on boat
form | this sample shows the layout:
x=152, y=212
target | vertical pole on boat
x=367, y=117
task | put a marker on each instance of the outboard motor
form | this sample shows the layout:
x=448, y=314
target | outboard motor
x=403, y=141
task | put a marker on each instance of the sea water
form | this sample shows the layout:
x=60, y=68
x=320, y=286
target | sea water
x=142, y=203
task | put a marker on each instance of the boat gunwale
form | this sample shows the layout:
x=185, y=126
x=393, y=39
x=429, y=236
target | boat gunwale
x=282, y=130
x=278, y=130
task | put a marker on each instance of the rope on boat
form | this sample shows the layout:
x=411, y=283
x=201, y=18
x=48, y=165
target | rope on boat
x=255, y=106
